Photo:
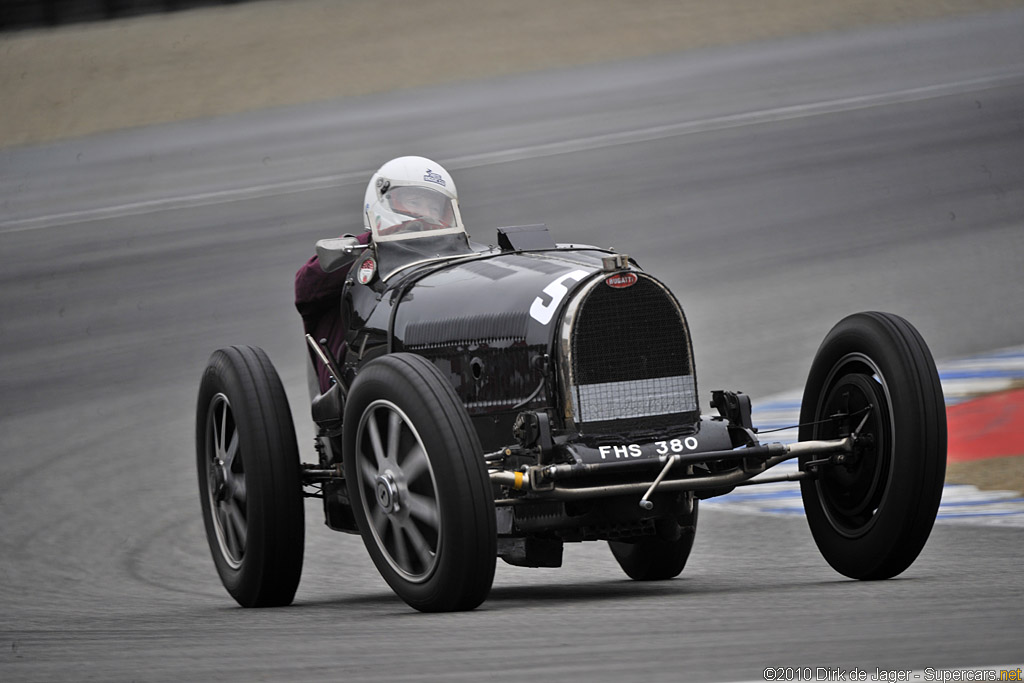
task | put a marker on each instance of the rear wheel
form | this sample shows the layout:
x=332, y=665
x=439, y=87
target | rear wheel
x=871, y=515
x=419, y=486
x=249, y=480
x=655, y=558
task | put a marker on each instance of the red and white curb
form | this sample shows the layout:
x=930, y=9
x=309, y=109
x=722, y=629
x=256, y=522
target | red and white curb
x=963, y=381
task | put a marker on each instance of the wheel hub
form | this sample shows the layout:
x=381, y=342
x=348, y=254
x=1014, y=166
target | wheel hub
x=853, y=491
x=388, y=493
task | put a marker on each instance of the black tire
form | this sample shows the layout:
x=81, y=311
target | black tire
x=654, y=558
x=418, y=484
x=872, y=516
x=250, y=482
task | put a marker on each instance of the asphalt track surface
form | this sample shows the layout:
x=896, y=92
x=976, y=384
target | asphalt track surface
x=775, y=187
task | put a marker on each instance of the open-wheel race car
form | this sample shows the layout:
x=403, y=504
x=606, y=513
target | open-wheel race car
x=502, y=401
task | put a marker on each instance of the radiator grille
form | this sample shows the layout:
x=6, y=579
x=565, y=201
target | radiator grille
x=630, y=356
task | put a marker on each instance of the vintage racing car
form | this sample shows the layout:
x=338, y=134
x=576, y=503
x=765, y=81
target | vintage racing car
x=501, y=401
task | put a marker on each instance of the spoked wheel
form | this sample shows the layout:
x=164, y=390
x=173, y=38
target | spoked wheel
x=399, y=495
x=225, y=479
x=249, y=480
x=655, y=558
x=419, y=487
x=871, y=515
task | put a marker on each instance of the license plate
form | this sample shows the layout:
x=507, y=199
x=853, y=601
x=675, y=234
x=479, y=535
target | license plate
x=657, y=449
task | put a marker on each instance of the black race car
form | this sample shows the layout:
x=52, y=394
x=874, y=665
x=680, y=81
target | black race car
x=502, y=401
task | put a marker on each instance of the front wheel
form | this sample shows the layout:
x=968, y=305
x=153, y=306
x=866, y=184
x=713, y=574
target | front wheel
x=250, y=485
x=871, y=515
x=418, y=484
x=656, y=558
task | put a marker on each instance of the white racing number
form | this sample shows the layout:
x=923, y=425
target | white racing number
x=543, y=312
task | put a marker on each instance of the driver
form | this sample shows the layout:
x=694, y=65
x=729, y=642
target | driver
x=410, y=194
x=406, y=196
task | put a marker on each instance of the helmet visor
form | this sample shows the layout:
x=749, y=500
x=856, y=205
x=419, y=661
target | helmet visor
x=416, y=209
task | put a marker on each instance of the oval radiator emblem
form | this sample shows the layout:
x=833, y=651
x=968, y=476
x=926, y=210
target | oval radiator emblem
x=621, y=280
x=366, y=270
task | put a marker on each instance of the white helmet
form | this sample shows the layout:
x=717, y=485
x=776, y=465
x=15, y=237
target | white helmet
x=411, y=197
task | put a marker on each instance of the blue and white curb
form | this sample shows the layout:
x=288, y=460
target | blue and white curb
x=961, y=503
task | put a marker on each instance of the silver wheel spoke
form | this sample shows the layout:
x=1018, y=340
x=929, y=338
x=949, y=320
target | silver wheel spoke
x=415, y=463
x=419, y=544
x=368, y=471
x=238, y=491
x=375, y=443
x=423, y=508
x=221, y=448
x=379, y=520
x=394, y=435
x=237, y=523
x=231, y=451
x=230, y=542
x=221, y=514
x=401, y=550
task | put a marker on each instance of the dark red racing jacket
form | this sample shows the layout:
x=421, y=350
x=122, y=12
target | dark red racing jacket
x=318, y=300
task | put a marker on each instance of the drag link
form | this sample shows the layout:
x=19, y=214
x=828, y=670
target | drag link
x=644, y=502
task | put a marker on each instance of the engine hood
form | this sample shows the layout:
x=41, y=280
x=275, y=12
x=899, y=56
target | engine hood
x=501, y=298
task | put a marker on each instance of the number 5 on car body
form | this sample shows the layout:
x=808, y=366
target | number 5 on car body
x=557, y=290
